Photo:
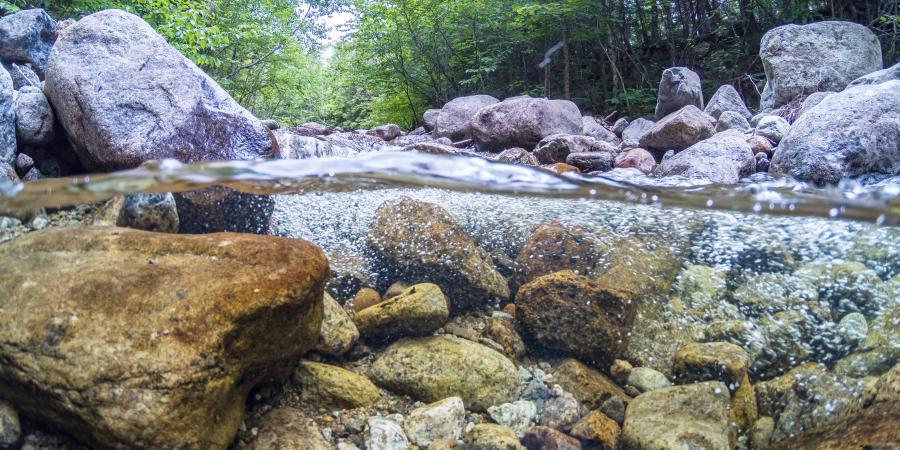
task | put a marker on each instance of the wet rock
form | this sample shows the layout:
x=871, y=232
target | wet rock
x=887, y=388
x=434, y=148
x=440, y=420
x=396, y=288
x=712, y=361
x=33, y=175
x=589, y=386
x=385, y=433
x=849, y=133
x=524, y=121
x=822, y=56
x=679, y=130
x=350, y=273
x=7, y=119
x=679, y=87
x=518, y=155
x=287, y=428
x=723, y=158
x=878, y=77
x=701, y=289
x=646, y=379
x=761, y=434
x=744, y=411
x=338, y=333
x=192, y=357
x=518, y=415
x=560, y=168
x=555, y=148
x=853, y=328
x=817, y=401
x=420, y=242
x=879, y=352
x=430, y=118
x=730, y=120
x=333, y=387
x=147, y=101
x=811, y=101
x=638, y=158
x=433, y=368
x=27, y=36
x=294, y=145
x=503, y=332
x=594, y=129
x=222, y=209
x=576, y=315
x=771, y=395
x=690, y=416
x=596, y=430
x=490, y=436
x=873, y=427
x=386, y=132
x=35, y=123
x=561, y=410
x=418, y=311
x=759, y=144
x=456, y=117
x=846, y=286
x=727, y=99
x=150, y=212
x=10, y=428
x=22, y=75
x=546, y=438
x=773, y=128
x=591, y=161
x=636, y=129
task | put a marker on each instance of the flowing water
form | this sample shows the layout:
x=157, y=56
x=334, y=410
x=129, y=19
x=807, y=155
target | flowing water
x=785, y=270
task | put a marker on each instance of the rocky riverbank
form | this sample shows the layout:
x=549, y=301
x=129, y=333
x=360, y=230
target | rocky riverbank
x=120, y=333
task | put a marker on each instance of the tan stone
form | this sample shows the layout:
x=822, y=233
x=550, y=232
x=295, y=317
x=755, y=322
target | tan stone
x=338, y=334
x=286, y=428
x=418, y=311
x=597, y=429
x=333, y=387
x=589, y=386
x=712, y=361
x=365, y=298
x=490, y=436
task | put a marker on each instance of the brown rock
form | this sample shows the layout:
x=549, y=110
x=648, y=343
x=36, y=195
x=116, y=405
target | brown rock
x=560, y=168
x=418, y=311
x=546, y=438
x=151, y=340
x=712, y=361
x=490, y=436
x=589, y=386
x=638, y=158
x=504, y=333
x=679, y=130
x=595, y=429
x=365, y=298
x=875, y=427
x=338, y=334
x=553, y=247
x=887, y=388
x=332, y=387
x=577, y=315
x=395, y=289
x=620, y=369
x=759, y=144
x=286, y=428
x=518, y=155
x=743, y=405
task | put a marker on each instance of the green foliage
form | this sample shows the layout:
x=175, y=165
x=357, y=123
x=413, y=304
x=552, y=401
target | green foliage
x=633, y=102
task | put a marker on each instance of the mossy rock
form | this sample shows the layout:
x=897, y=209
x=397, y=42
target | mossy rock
x=333, y=387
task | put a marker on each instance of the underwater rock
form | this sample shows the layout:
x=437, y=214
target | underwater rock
x=150, y=212
x=712, y=361
x=440, y=420
x=523, y=122
x=596, y=430
x=518, y=415
x=332, y=387
x=418, y=311
x=338, y=333
x=385, y=433
x=546, y=438
x=646, y=379
x=847, y=134
x=822, y=56
x=503, y=332
x=454, y=121
x=286, y=428
x=577, y=316
x=553, y=246
x=678, y=87
x=143, y=100
x=689, y=416
x=679, y=130
x=877, y=426
x=27, y=36
x=10, y=427
x=727, y=99
x=589, y=386
x=817, y=401
x=420, y=242
x=433, y=368
x=490, y=436
x=217, y=314
x=561, y=410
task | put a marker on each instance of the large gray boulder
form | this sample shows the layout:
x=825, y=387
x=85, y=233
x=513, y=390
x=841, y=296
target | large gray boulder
x=455, y=119
x=27, y=36
x=524, y=121
x=22, y=75
x=878, y=77
x=35, y=123
x=727, y=99
x=847, y=134
x=678, y=87
x=7, y=119
x=429, y=119
x=636, y=129
x=125, y=96
x=723, y=158
x=679, y=130
x=822, y=56
x=593, y=129
x=294, y=145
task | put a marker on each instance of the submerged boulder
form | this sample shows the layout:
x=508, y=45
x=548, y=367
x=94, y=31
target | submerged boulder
x=678, y=87
x=679, y=130
x=27, y=36
x=524, y=121
x=125, y=96
x=455, y=119
x=723, y=158
x=420, y=242
x=821, y=56
x=847, y=134
x=132, y=339
x=433, y=368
